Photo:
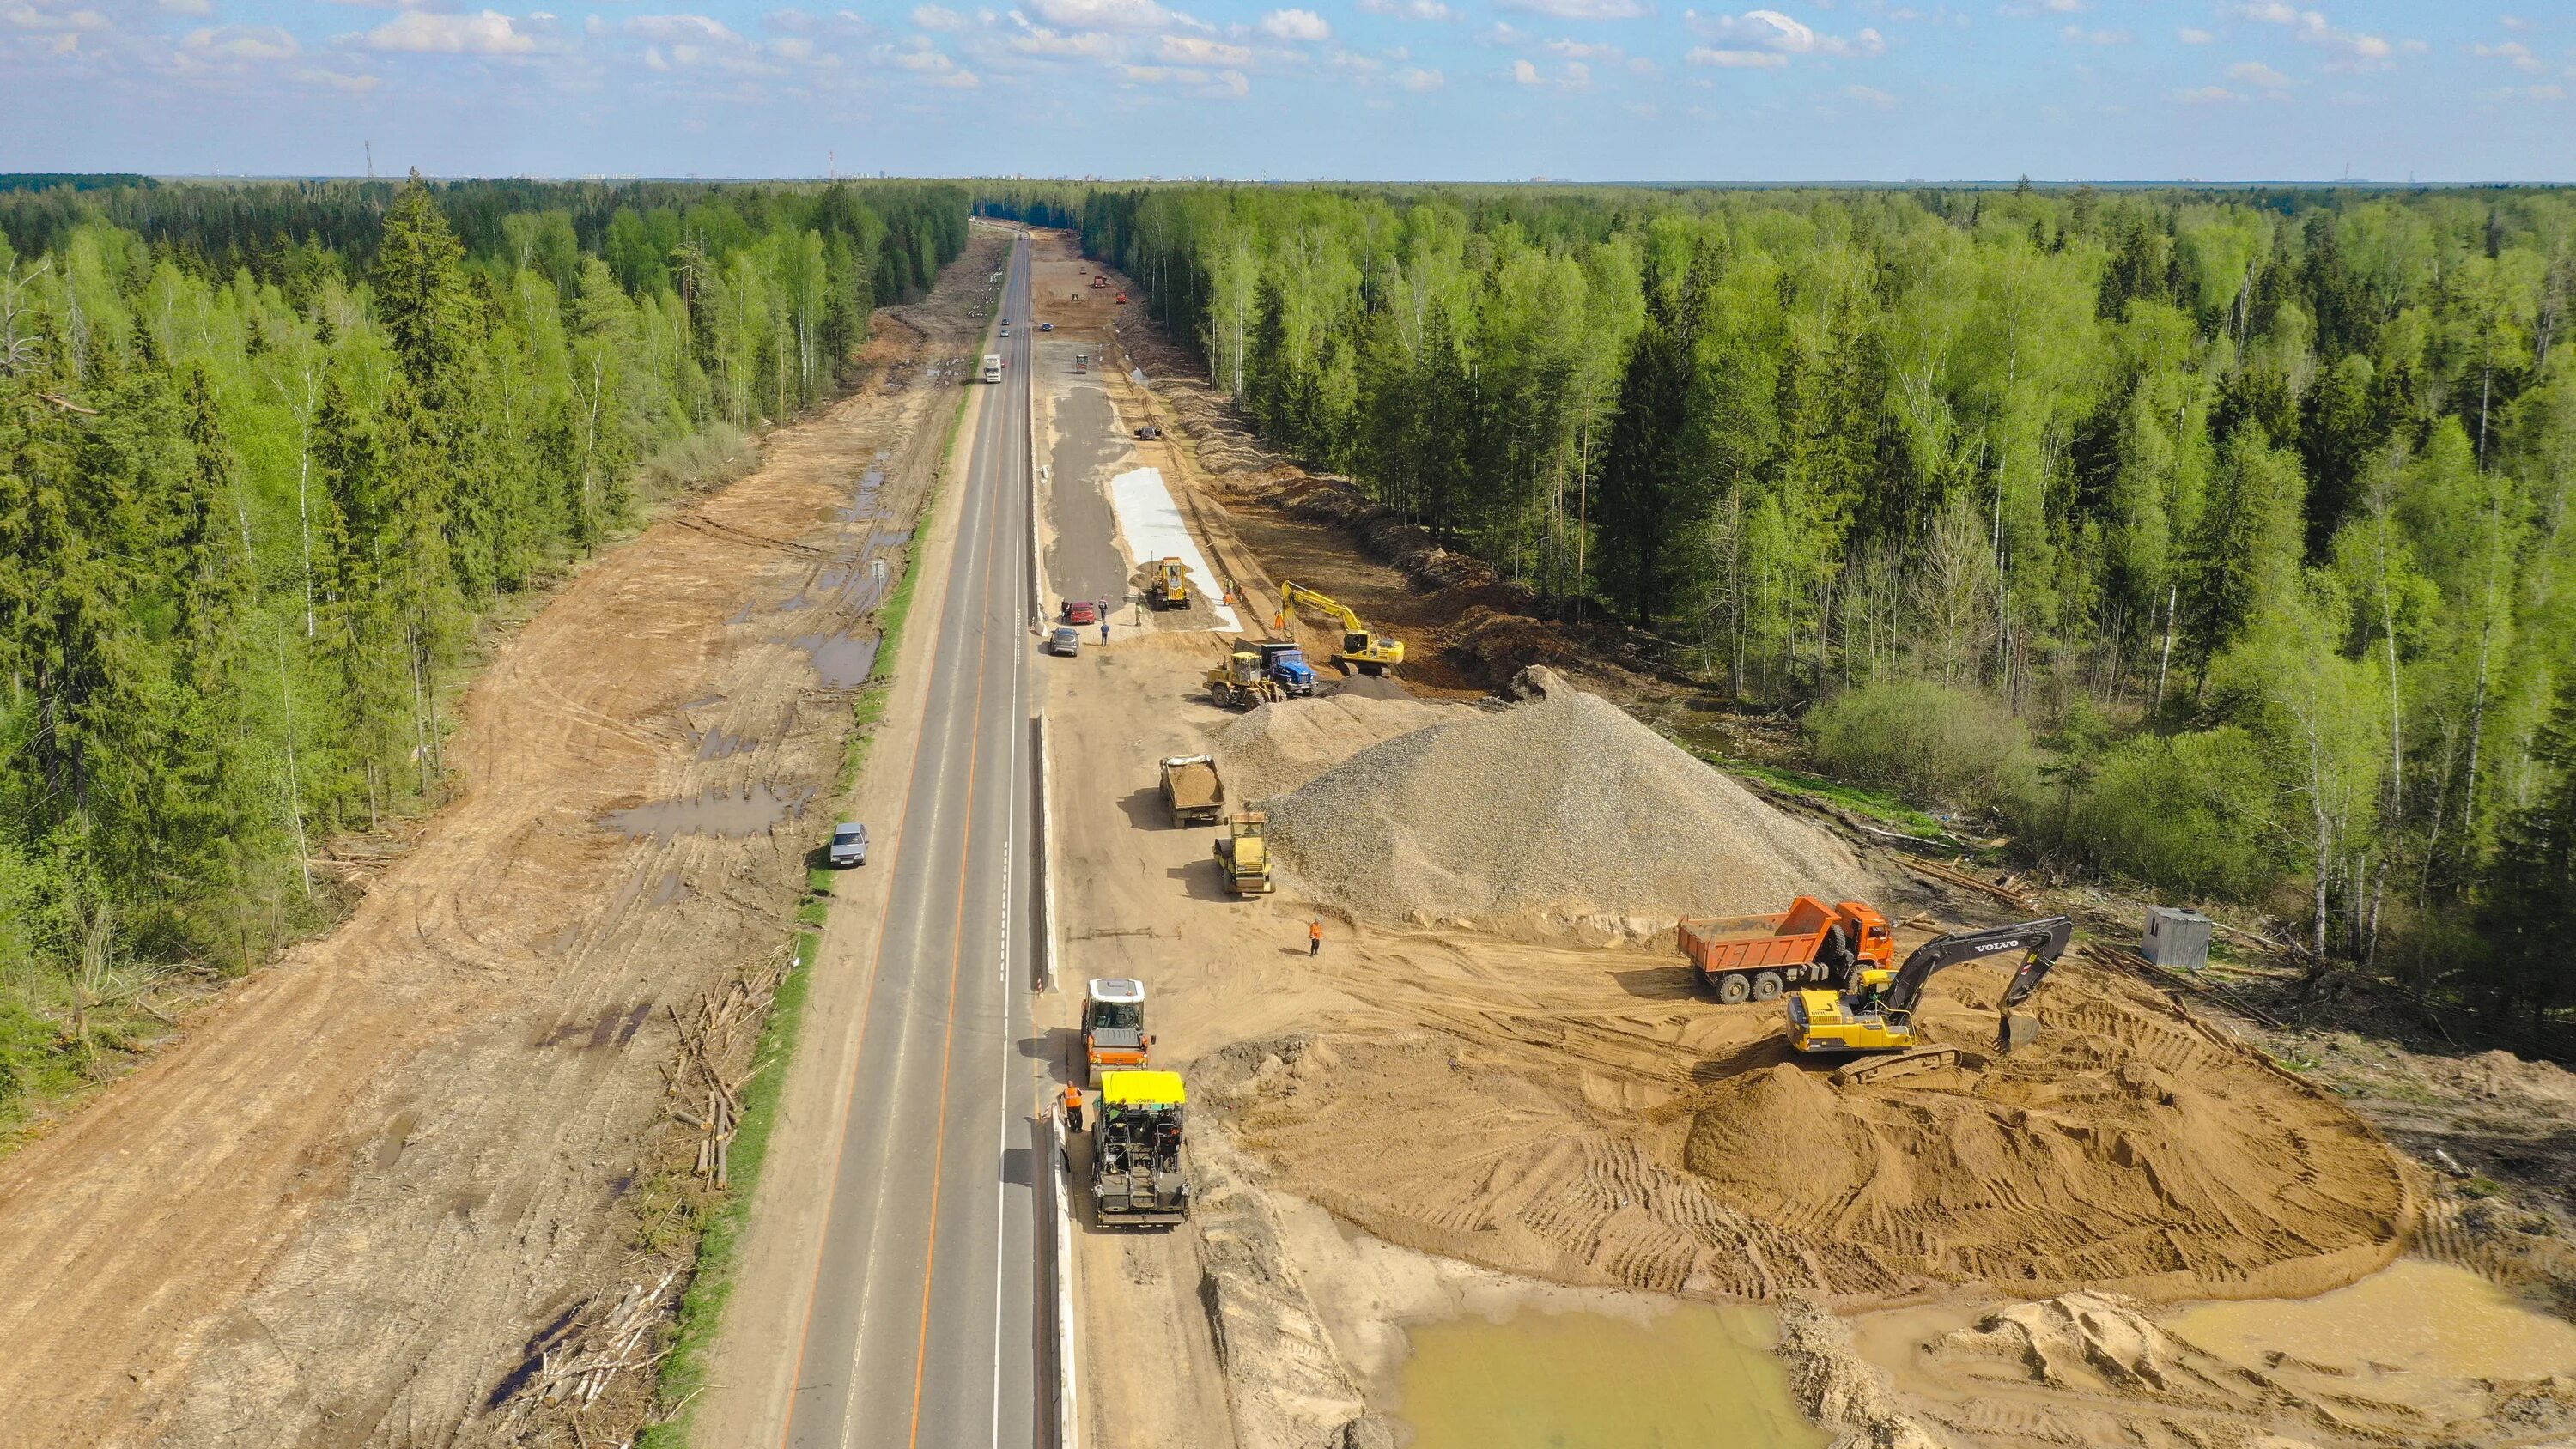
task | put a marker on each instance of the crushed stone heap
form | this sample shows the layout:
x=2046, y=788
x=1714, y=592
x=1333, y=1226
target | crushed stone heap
x=1560, y=810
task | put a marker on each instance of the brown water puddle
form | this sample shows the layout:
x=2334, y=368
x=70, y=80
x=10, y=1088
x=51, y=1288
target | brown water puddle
x=717, y=812
x=1697, y=1377
x=2413, y=1317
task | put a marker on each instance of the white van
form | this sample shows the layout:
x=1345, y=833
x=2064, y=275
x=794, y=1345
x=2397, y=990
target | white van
x=992, y=367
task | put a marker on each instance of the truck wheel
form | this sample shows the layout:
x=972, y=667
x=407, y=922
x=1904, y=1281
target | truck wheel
x=1732, y=989
x=1766, y=987
x=1220, y=696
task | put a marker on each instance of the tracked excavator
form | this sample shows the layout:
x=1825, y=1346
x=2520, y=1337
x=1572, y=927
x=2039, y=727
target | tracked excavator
x=1366, y=652
x=1874, y=1012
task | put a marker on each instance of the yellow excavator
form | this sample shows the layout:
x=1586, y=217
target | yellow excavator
x=1361, y=650
x=1874, y=1012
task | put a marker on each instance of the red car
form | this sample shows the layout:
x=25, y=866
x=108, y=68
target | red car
x=1081, y=611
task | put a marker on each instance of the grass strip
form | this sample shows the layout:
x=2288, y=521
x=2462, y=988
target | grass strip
x=727, y=1217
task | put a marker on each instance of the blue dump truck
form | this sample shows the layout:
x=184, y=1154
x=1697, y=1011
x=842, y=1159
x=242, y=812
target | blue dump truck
x=1286, y=666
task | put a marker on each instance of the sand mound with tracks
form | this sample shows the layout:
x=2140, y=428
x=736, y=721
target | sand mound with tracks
x=1678, y=1148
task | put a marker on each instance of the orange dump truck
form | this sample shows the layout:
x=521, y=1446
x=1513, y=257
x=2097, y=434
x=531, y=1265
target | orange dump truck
x=1753, y=957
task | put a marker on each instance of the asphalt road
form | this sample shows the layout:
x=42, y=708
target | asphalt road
x=922, y=1329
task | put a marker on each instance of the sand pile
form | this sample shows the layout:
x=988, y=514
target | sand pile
x=1563, y=809
x=1278, y=747
x=1641, y=1143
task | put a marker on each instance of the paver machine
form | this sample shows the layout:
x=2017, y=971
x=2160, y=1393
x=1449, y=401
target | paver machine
x=1113, y=1027
x=1874, y=1012
x=1139, y=1174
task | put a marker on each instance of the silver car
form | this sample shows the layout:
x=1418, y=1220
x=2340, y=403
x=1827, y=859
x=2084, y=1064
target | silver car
x=849, y=844
x=1065, y=640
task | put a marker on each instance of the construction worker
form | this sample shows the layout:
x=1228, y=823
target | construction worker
x=1104, y=628
x=1315, y=937
x=1072, y=1108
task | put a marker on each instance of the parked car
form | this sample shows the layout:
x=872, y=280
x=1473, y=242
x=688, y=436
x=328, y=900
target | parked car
x=1065, y=640
x=1046, y=327
x=1081, y=611
x=1150, y=431
x=849, y=843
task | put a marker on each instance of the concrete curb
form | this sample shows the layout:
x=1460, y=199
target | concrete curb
x=1067, y=1416
x=1042, y=768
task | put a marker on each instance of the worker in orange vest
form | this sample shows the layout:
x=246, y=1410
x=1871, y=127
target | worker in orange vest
x=1072, y=1107
x=1315, y=937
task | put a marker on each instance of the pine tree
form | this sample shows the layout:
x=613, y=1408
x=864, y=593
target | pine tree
x=1646, y=498
x=2527, y=908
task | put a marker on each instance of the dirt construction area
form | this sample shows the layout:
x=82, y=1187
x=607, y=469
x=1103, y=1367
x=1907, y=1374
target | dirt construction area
x=1498, y=1085
x=379, y=1187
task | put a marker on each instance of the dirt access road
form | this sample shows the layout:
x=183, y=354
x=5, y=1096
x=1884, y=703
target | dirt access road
x=345, y=1207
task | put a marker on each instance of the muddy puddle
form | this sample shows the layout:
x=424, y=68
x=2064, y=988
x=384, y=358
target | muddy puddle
x=841, y=661
x=717, y=812
x=1697, y=1376
x=2411, y=1318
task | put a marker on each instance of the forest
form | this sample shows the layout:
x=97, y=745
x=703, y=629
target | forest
x=270, y=454
x=2210, y=539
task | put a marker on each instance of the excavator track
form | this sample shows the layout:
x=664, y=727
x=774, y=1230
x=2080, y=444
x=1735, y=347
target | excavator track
x=1879, y=1071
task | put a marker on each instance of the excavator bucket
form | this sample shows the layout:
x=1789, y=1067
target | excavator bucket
x=1879, y=1071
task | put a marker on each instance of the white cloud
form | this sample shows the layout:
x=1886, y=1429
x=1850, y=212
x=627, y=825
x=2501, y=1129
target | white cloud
x=240, y=43
x=2194, y=35
x=2078, y=35
x=1503, y=32
x=1201, y=51
x=186, y=7
x=1525, y=73
x=2210, y=96
x=2514, y=51
x=2256, y=73
x=339, y=81
x=2355, y=51
x=1870, y=96
x=1421, y=81
x=1038, y=40
x=27, y=17
x=1639, y=65
x=1295, y=25
x=1410, y=9
x=1108, y=14
x=417, y=32
x=1584, y=50
x=1735, y=59
x=931, y=65
x=1769, y=30
x=1582, y=9
x=937, y=17
x=2512, y=22
x=681, y=30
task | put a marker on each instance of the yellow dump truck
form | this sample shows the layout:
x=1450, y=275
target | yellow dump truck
x=1244, y=854
x=1193, y=790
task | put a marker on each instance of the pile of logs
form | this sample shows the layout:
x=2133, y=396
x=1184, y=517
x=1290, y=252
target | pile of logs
x=578, y=1368
x=716, y=1040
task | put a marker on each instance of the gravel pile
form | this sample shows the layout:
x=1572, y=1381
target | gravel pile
x=1564, y=808
x=1280, y=746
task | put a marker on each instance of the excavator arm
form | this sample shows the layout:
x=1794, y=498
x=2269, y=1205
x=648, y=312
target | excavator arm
x=2040, y=941
x=1371, y=652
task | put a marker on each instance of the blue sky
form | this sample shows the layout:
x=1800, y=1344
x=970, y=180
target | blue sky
x=1870, y=90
